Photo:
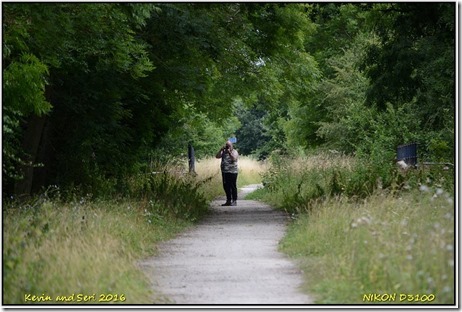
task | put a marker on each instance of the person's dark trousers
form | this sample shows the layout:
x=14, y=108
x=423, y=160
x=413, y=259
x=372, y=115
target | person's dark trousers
x=229, y=185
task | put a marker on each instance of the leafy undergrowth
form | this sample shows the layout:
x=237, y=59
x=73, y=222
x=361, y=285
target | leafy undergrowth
x=362, y=232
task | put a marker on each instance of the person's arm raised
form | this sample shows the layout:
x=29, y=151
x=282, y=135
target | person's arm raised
x=234, y=155
x=220, y=153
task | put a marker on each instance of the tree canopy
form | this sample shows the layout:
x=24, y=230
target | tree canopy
x=92, y=92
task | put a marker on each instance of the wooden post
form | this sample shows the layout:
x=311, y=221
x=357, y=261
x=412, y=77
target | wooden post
x=191, y=159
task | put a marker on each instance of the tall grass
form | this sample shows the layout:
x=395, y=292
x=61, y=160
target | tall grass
x=292, y=183
x=80, y=248
x=68, y=246
x=384, y=245
x=89, y=247
x=208, y=171
x=358, y=232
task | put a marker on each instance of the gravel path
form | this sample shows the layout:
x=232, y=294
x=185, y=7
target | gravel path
x=231, y=257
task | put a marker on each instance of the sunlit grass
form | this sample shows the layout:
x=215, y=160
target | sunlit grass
x=250, y=171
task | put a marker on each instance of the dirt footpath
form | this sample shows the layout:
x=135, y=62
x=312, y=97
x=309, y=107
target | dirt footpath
x=231, y=257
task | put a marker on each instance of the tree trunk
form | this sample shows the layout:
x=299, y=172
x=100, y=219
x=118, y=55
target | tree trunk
x=30, y=144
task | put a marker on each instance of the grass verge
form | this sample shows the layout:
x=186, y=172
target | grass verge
x=86, y=250
x=391, y=244
x=69, y=250
x=385, y=245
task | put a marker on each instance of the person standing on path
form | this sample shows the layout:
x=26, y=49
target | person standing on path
x=229, y=172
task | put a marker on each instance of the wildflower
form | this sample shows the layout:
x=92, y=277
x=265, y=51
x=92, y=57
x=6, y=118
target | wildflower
x=364, y=220
x=360, y=221
x=430, y=280
x=424, y=188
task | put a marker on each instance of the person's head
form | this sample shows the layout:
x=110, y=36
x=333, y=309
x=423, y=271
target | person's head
x=229, y=145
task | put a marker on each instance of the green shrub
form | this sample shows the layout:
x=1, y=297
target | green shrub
x=294, y=184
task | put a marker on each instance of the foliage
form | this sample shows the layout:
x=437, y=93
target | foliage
x=170, y=196
x=98, y=97
x=417, y=40
x=377, y=70
x=204, y=135
x=150, y=78
x=123, y=77
x=415, y=63
x=298, y=184
x=362, y=228
x=252, y=134
x=90, y=44
x=343, y=95
x=24, y=84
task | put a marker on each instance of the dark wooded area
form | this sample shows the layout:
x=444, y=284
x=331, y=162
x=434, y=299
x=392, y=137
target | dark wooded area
x=95, y=92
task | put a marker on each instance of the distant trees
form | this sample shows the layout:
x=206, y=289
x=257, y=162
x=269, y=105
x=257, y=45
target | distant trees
x=379, y=75
x=412, y=69
x=382, y=75
x=93, y=91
